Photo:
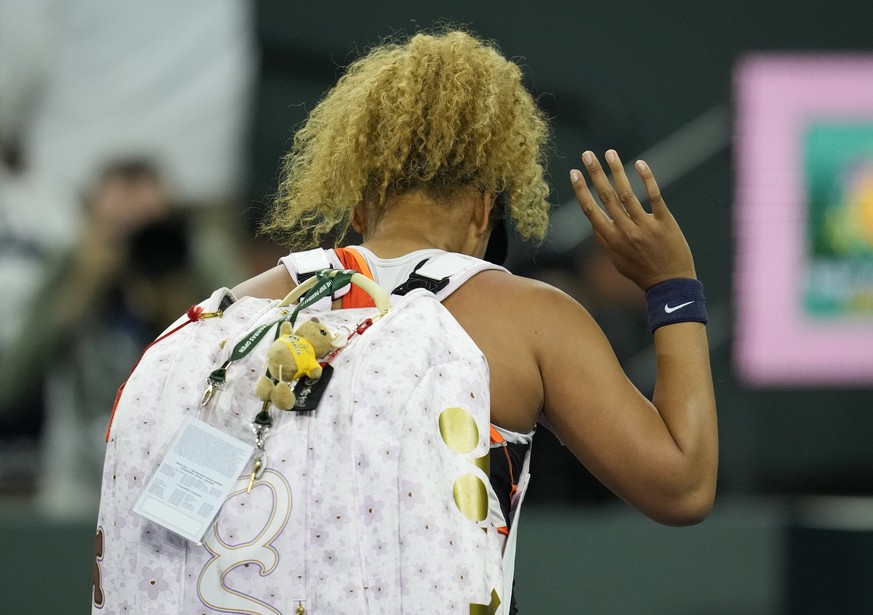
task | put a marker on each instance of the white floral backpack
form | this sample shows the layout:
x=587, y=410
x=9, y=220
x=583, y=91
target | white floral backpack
x=376, y=501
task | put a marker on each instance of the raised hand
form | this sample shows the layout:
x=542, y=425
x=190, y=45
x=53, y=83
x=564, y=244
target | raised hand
x=646, y=248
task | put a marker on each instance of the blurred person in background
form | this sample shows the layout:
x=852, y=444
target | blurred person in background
x=98, y=305
x=96, y=80
x=93, y=81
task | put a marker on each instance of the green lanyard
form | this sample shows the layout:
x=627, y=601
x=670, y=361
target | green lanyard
x=325, y=286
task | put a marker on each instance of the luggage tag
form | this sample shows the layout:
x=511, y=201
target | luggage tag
x=193, y=479
x=308, y=392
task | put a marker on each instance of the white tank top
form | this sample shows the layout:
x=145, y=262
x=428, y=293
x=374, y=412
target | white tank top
x=389, y=273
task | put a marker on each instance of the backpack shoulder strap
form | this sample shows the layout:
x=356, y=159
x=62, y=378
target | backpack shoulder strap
x=303, y=265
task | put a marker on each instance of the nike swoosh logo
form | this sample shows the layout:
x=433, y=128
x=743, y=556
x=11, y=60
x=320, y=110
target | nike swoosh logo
x=670, y=310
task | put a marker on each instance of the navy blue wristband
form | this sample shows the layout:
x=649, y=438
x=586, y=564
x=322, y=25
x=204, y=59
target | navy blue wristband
x=676, y=300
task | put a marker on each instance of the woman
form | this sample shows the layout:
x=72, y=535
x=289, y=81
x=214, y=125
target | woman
x=412, y=149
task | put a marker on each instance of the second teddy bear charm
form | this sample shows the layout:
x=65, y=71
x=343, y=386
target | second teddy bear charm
x=291, y=356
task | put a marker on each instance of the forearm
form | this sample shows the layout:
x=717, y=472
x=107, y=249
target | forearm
x=685, y=399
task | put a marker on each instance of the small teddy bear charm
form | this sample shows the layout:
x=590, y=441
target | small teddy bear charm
x=293, y=355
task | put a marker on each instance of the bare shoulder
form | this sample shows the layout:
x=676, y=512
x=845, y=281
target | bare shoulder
x=274, y=283
x=528, y=299
x=497, y=283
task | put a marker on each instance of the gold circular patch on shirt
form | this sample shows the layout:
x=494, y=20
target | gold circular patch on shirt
x=458, y=429
x=471, y=497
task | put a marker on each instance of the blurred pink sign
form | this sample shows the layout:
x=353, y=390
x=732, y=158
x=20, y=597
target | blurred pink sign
x=803, y=220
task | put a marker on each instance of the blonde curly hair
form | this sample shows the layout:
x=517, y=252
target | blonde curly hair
x=439, y=112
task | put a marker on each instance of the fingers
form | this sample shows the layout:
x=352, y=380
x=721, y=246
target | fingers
x=659, y=207
x=600, y=222
x=604, y=189
x=620, y=202
x=623, y=189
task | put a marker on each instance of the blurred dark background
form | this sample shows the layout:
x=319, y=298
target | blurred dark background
x=792, y=528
